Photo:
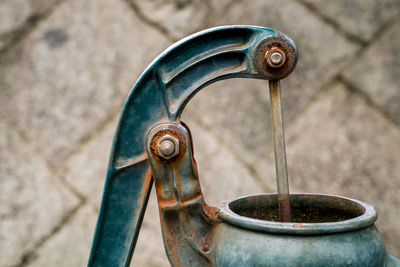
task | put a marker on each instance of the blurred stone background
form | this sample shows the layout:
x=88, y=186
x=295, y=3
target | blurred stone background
x=66, y=67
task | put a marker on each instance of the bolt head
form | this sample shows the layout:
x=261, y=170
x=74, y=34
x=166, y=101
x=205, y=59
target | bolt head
x=168, y=146
x=276, y=58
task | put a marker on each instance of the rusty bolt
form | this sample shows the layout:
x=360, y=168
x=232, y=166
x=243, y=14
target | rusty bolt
x=276, y=58
x=168, y=147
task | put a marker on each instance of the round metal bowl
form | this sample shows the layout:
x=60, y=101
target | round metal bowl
x=311, y=214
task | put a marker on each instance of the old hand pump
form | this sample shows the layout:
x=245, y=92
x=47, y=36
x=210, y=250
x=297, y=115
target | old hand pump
x=151, y=143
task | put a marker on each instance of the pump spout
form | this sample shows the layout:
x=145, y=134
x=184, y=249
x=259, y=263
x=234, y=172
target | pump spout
x=187, y=222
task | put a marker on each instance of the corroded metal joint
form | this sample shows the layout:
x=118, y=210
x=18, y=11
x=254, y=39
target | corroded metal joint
x=167, y=142
x=275, y=57
x=168, y=146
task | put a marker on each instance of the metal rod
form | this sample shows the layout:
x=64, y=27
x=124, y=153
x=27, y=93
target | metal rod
x=280, y=152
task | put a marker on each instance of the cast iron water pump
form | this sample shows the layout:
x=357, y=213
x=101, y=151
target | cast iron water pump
x=151, y=143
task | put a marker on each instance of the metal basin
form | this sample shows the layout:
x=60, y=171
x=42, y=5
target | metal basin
x=324, y=229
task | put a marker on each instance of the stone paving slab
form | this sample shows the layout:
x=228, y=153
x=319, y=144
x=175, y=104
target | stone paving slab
x=180, y=17
x=237, y=111
x=14, y=14
x=70, y=246
x=322, y=52
x=33, y=201
x=218, y=167
x=149, y=250
x=73, y=72
x=86, y=171
x=62, y=86
x=361, y=18
x=341, y=146
x=377, y=73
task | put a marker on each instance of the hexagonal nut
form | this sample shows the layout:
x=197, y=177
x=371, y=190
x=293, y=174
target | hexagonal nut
x=168, y=146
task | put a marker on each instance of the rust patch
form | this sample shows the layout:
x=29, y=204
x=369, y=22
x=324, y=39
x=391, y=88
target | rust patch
x=267, y=47
x=148, y=184
x=211, y=213
x=173, y=131
x=269, y=53
x=206, y=245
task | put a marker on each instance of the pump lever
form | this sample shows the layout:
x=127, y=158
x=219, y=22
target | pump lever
x=159, y=96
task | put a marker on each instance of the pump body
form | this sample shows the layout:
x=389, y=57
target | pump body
x=152, y=144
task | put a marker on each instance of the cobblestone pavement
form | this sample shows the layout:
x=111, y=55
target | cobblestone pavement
x=66, y=67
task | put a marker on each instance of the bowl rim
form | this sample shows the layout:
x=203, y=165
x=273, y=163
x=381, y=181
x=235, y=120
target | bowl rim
x=368, y=218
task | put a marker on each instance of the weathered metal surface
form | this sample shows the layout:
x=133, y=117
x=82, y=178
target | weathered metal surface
x=254, y=213
x=347, y=238
x=275, y=57
x=269, y=46
x=168, y=147
x=172, y=133
x=160, y=95
x=325, y=229
x=194, y=233
x=352, y=242
x=280, y=152
x=185, y=220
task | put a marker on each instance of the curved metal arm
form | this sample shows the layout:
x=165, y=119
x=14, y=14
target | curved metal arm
x=160, y=95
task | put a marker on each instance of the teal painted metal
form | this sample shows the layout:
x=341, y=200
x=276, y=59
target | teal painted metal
x=194, y=233
x=354, y=241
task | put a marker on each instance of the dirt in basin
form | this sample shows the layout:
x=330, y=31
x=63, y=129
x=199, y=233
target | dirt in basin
x=301, y=214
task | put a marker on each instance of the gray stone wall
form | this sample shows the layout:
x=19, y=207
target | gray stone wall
x=66, y=67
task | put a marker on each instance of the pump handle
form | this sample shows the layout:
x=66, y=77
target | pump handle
x=160, y=95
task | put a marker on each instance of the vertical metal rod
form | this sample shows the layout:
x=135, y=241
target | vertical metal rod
x=280, y=152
